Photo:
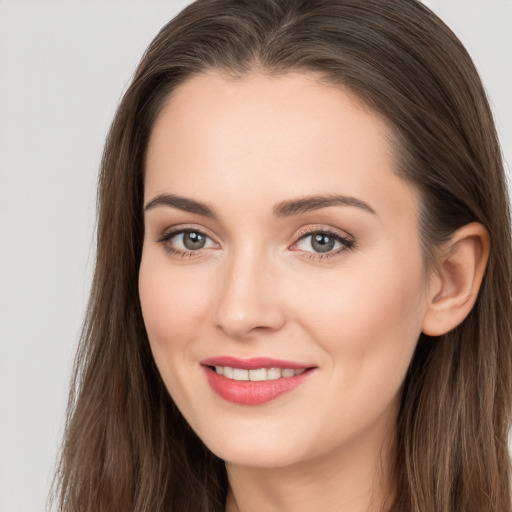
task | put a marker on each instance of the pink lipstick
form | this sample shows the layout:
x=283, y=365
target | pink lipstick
x=253, y=381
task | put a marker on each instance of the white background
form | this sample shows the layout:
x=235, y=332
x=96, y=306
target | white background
x=63, y=68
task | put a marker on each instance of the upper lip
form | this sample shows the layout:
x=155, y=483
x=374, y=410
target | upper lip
x=253, y=363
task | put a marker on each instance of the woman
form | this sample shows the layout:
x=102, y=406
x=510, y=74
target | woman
x=302, y=290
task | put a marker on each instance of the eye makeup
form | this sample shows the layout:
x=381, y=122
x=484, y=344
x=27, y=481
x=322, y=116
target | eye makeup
x=186, y=241
x=324, y=242
x=190, y=242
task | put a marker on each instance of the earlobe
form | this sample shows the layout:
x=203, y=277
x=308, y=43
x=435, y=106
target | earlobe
x=454, y=288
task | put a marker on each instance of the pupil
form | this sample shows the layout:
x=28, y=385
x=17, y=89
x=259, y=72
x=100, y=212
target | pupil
x=322, y=243
x=193, y=240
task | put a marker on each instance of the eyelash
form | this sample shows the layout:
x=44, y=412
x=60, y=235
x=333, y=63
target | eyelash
x=346, y=242
x=171, y=233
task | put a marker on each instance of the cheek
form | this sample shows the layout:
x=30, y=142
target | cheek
x=367, y=324
x=174, y=303
x=367, y=319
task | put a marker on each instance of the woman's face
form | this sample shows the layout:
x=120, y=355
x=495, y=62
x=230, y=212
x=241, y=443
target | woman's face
x=279, y=247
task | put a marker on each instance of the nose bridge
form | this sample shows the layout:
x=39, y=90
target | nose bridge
x=245, y=302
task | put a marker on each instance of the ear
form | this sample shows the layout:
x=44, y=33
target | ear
x=454, y=286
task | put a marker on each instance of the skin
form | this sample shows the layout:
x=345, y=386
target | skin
x=258, y=288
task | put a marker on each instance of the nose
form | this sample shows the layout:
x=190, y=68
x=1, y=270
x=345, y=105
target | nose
x=248, y=302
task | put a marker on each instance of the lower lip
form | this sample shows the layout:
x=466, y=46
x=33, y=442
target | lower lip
x=252, y=392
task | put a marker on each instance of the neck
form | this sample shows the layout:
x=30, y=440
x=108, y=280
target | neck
x=355, y=478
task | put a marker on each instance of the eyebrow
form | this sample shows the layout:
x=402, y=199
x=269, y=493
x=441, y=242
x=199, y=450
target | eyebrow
x=283, y=209
x=310, y=203
x=181, y=203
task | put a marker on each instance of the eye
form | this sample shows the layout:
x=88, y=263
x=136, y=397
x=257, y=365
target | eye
x=323, y=243
x=186, y=241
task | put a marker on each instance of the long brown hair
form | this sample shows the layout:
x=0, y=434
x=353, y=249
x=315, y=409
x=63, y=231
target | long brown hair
x=127, y=447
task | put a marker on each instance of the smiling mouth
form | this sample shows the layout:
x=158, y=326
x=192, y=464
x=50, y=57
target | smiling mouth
x=256, y=374
x=254, y=381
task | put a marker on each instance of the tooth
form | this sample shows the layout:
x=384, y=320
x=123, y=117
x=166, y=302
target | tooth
x=273, y=373
x=239, y=374
x=258, y=374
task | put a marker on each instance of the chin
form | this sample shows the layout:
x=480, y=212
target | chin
x=257, y=447
x=268, y=456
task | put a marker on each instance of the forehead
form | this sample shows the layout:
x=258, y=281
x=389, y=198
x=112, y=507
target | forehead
x=263, y=136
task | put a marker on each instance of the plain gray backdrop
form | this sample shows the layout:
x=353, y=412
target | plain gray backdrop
x=63, y=68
